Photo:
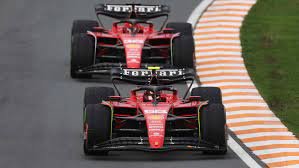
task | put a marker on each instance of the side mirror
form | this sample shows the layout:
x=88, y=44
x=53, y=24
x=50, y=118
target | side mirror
x=194, y=98
x=169, y=30
x=98, y=29
x=114, y=98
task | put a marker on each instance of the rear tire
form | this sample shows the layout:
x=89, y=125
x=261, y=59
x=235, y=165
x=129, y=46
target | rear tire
x=212, y=94
x=213, y=127
x=183, y=52
x=181, y=27
x=97, y=127
x=95, y=95
x=183, y=46
x=82, y=54
x=82, y=26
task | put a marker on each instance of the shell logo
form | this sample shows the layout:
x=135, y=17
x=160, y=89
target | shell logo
x=133, y=46
x=156, y=117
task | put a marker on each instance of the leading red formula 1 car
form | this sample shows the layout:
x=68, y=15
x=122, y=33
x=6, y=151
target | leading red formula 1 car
x=134, y=41
x=153, y=117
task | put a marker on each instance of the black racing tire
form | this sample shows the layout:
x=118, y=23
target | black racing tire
x=212, y=94
x=82, y=26
x=98, y=124
x=181, y=27
x=95, y=95
x=82, y=54
x=183, y=52
x=213, y=127
x=183, y=46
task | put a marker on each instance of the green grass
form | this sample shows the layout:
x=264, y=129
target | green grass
x=270, y=41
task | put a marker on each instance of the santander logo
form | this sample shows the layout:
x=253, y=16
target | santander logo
x=133, y=49
x=135, y=41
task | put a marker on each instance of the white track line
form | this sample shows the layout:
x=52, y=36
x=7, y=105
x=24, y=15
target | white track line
x=217, y=52
x=277, y=150
x=225, y=98
x=203, y=25
x=256, y=126
x=281, y=159
x=230, y=121
x=222, y=65
x=240, y=104
x=271, y=142
x=249, y=112
x=220, y=77
x=219, y=35
x=217, y=41
x=260, y=134
x=292, y=166
x=219, y=59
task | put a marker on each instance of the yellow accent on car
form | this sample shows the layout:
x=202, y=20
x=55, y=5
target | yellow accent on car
x=153, y=68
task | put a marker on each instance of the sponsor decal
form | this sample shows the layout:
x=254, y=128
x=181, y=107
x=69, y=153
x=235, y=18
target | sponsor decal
x=118, y=8
x=133, y=61
x=137, y=8
x=147, y=73
x=147, y=9
x=134, y=41
x=155, y=111
x=133, y=46
x=156, y=117
x=137, y=73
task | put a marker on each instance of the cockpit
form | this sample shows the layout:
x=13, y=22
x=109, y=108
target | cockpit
x=133, y=26
x=155, y=94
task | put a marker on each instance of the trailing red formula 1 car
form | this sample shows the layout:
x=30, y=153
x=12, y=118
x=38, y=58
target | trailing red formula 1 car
x=153, y=117
x=132, y=42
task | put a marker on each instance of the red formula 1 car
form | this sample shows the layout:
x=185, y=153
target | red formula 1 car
x=134, y=41
x=154, y=117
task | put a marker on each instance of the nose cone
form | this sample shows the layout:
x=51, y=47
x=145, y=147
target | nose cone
x=156, y=129
x=156, y=142
x=155, y=117
x=133, y=49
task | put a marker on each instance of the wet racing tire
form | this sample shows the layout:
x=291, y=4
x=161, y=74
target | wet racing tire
x=95, y=95
x=213, y=127
x=212, y=94
x=97, y=128
x=82, y=26
x=82, y=54
x=182, y=46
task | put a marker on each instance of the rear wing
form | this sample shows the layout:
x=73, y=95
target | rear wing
x=132, y=11
x=152, y=76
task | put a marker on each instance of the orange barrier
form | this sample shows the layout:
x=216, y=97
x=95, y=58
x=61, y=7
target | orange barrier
x=219, y=63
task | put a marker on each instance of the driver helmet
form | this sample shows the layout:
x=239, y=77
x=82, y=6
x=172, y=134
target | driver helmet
x=148, y=96
x=130, y=28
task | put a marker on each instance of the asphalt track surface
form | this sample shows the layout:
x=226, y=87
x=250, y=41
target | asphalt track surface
x=40, y=105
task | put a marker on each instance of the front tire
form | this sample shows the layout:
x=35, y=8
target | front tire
x=183, y=52
x=183, y=46
x=213, y=127
x=185, y=29
x=97, y=127
x=82, y=26
x=82, y=54
x=212, y=94
x=95, y=95
x=212, y=118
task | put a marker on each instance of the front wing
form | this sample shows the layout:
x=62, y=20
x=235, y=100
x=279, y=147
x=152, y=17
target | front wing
x=170, y=144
